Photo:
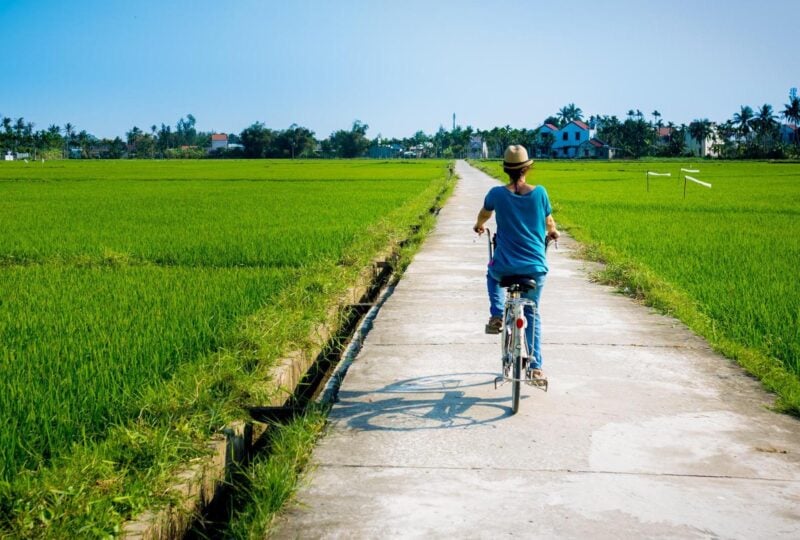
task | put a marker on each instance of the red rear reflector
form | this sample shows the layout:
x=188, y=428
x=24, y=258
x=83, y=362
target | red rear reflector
x=520, y=323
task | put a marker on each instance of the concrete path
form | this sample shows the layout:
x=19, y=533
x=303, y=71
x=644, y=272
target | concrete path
x=644, y=433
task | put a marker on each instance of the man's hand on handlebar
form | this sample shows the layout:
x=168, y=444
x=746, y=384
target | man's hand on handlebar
x=478, y=228
x=551, y=237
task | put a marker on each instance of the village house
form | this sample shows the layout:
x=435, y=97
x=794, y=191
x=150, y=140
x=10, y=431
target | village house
x=547, y=128
x=789, y=133
x=570, y=137
x=384, y=151
x=664, y=135
x=706, y=148
x=574, y=140
x=219, y=141
x=595, y=149
x=477, y=148
x=545, y=136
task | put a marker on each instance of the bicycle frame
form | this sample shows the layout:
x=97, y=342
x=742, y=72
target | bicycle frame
x=515, y=353
x=515, y=323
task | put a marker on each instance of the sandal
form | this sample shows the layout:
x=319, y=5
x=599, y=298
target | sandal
x=537, y=375
x=494, y=326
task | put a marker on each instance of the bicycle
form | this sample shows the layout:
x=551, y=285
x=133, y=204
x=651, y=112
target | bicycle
x=515, y=355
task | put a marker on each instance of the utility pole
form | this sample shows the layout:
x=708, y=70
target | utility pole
x=454, y=121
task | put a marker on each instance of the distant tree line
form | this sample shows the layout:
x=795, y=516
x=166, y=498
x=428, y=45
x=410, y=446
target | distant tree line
x=748, y=133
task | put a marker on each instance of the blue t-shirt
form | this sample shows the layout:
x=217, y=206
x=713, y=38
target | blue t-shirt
x=521, y=231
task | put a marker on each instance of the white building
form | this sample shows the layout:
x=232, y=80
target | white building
x=702, y=148
x=219, y=141
x=9, y=156
x=477, y=148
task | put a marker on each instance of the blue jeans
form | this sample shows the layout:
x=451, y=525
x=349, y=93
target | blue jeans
x=533, y=332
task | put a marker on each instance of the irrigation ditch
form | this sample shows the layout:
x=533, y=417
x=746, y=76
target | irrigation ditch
x=204, y=492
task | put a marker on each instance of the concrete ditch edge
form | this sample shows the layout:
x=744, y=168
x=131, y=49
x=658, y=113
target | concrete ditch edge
x=197, y=484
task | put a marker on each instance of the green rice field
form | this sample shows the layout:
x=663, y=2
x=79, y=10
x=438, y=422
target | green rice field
x=123, y=283
x=727, y=257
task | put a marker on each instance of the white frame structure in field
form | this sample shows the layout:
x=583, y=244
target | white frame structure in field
x=695, y=180
x=648, y=174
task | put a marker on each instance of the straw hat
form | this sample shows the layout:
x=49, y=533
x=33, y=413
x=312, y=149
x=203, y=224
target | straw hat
x=516, y=157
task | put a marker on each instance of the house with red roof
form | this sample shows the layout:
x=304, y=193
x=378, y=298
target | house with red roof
x=595, y=149
x=574, y=140
x=664, y=135
x=219, y=141
x=547, y=128
x=545, y=135
x=569, y=138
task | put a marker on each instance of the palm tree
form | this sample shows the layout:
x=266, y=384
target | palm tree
x=701, y=130
x=84, y=141
x=132, y=137
x=744, y=119
x=569, y=113
x=69, y=131
x=69, y=134
x=671, y=128
x=765, y=126
x=563, y=116
x=764, y=122
x=657, y=115
x=791, y=113
x=28, y=136
x=725, y=135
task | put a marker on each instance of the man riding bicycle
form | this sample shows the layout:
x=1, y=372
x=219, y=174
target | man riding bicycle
x=524, y=225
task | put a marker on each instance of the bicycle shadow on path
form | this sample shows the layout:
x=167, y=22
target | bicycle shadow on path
x=425, y=403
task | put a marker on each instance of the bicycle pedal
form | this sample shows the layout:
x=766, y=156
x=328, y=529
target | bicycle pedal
x=538, y=383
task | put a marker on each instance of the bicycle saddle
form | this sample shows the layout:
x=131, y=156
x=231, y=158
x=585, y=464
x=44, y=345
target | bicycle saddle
x=525, y=283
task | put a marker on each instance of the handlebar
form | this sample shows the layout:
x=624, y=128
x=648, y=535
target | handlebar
x=492, y=241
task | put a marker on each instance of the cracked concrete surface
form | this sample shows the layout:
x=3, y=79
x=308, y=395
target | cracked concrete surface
x=645, y=432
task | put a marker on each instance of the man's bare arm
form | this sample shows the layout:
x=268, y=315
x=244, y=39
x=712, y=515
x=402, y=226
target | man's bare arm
x=552, y=231
x=483, y=216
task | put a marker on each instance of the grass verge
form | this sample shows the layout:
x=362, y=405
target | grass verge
x=274, y=475
x=636, y=280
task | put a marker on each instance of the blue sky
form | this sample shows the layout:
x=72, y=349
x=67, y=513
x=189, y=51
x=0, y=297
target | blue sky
x=398, y=66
